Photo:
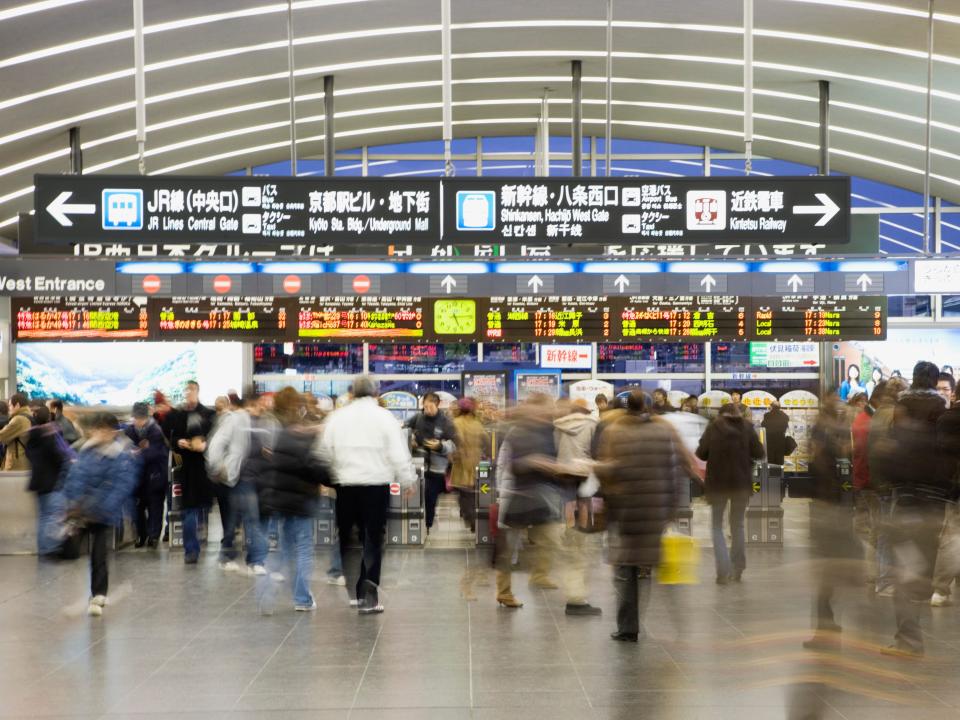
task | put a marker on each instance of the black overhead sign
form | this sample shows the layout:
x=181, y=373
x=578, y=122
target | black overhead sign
x=260, y=211
x=627, y=210
x=170, y=216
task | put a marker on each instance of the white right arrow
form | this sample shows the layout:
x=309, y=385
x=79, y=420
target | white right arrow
x=864, y=282
x=448, y=283
x=59, y=209
x=795, y=282
x=621, y=282
x=708, y=282
x=535, y=282
x=827, y=209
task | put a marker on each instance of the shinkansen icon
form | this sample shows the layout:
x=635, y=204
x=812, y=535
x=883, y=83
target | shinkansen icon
x=476, y=210
x=122, y=209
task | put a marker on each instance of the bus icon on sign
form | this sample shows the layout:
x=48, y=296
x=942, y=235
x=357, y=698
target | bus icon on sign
x=476, y=210
x=122, y=209
x=706, y=210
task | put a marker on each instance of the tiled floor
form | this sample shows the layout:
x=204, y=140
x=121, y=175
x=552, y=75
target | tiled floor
x=187, y=642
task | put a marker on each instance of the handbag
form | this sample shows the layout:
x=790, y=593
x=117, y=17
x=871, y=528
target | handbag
x=789, y=445
x=679, y=559
x=587, y=515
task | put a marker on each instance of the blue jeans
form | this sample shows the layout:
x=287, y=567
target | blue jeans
x=336, y=562
x=191, y=526
x=735, y=561
x=296, y=555
x=50, y=509
x=243, y=507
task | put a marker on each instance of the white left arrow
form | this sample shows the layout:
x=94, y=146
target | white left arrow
x=864, y=282
x=827, y=209
x=448, y=283
x=59, y=209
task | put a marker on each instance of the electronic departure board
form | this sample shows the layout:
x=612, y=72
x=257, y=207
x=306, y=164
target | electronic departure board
x=360, y=318
x=80, y=318
x=531, y=318
x=819, y=317
x=221, y=318
x=682, y=317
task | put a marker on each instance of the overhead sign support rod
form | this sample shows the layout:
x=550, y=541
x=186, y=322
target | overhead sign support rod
x=608, y=137
x=447, y=84
x=76, y=152
x=292, y=91
x=139, y=83
x=329, y=132
x=926, y=154
x=576, y=118
x=748, y=85
x=824, y=166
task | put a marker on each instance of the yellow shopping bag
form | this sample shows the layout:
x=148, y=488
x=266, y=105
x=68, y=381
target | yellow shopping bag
x=679, y=559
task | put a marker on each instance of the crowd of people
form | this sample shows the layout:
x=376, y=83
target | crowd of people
x=563, y=471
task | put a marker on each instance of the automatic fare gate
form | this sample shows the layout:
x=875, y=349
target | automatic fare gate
x=764, y=511
x=485, y=498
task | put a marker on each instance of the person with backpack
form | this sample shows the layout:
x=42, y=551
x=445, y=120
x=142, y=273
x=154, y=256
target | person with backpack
x=14, y=435
x=50, y=458
x=96, y=488
x=150, y=445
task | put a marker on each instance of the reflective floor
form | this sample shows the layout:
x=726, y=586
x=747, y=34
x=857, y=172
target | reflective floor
x=188, y=642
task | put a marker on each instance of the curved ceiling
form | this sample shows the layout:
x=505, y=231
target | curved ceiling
x=217, y=80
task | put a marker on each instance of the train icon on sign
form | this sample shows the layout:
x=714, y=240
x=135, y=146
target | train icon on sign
x=121, y=209
x=706, y=210
x=476, y=210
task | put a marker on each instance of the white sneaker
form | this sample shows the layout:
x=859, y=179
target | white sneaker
x=354, y=603
x=306, y=608
x=886, y=592
x=256, y=570
x=939, y=600
x=230, y=566
x=339, y=580
x=277, y=577
x=100, y=600
x=94, y=610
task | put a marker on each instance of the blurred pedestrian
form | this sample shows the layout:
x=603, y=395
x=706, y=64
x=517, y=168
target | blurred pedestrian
x=947, y=568
x=921, y=491
x=602, y=402
x=67, y=429
x=14, y=434
x=364, y=448
x=661, y=402
x=729, y=446
x=472, y=446
x=238, y=459
x=189, y=426
x=96, y=488
x=50, y=458
x=641, y=471
x=776, y=423
x=289, y=490
x=151, y=447
x=946, y=386
x=432, y=438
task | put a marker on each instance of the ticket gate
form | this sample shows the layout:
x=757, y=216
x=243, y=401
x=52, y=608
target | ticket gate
x=326, y=534
x=484, y=497
x=764, y=512
x=406, y=516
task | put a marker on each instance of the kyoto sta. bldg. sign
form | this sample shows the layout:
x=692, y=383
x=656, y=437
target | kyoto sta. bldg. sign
x=164, y=216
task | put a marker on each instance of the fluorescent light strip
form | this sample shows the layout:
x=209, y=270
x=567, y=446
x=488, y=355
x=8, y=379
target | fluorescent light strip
x=879, y=8
x=35, y=7
x=445, y=268
x=296, y=268
x=868, y=266
x=362, y=268
x=631, y=268
x=786, y=266
x=149, y=268
x=708, y=267
x=221, y=268
x=533, y=268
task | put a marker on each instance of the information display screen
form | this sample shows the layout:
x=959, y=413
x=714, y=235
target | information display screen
x=682, y=317
x=819, y=317
x=221, y=318
x=530, y=318
x=380, y=318
x=80, y=318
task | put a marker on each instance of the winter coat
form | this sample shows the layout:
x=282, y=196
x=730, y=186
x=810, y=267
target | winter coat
x=471, y=442
x=641, y=473
x=440, y=427
x=291, y=484
x=776, y=422
x=948, y=441
x=101, y=481
x=49, y=457
x=573, y=435
x=363, y=444
x=154, y=459
x=67, y=429
x=861, y=443
x=916, y=470
x=184, y=424
x=532, y=496
x=829, y=443
x=14, y=437
x=728, y=446
x=881, y=449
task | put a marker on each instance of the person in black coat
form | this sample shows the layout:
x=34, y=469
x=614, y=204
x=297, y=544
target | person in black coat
x=776, y=422
x=50, y=458
x=729, y=446
x=151, y=446
x=188, y=427
x=289, y=491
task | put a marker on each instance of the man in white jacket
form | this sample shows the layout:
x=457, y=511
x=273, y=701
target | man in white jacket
x=366, y=451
